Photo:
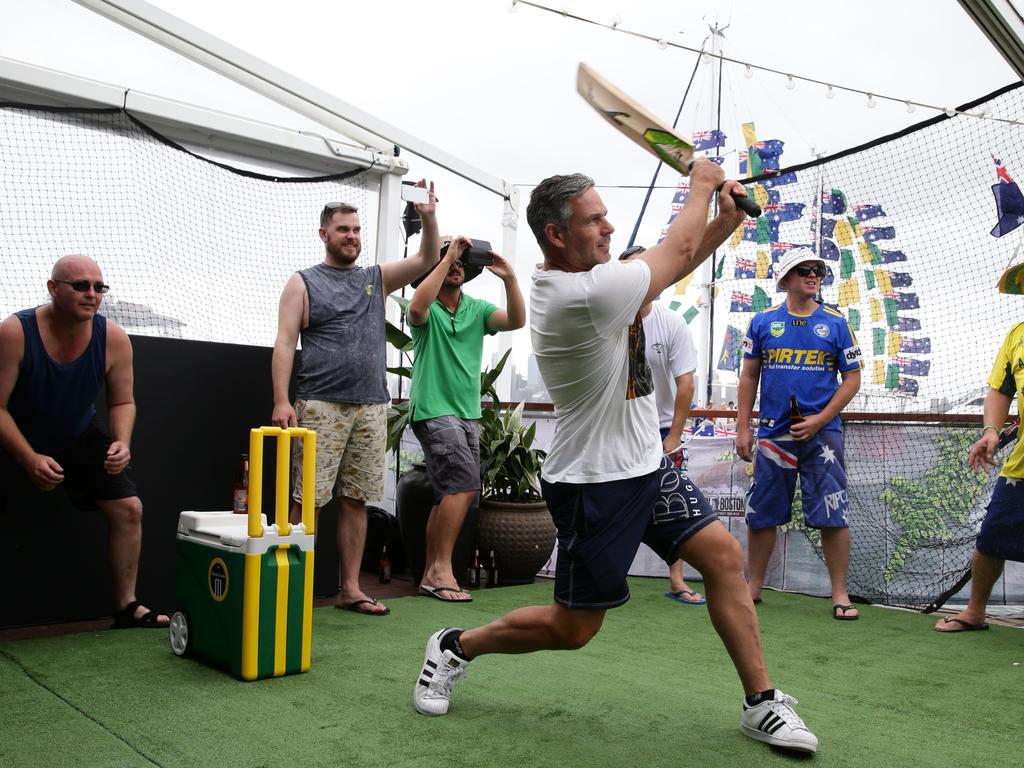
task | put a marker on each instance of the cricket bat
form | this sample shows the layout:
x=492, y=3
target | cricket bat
x=651, y=133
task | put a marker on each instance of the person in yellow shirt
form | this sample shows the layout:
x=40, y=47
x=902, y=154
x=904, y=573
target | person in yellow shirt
x=1002, y=531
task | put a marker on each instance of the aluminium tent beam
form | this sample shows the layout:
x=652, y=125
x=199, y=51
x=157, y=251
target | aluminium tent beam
x=281, y=87
x=1003, y=26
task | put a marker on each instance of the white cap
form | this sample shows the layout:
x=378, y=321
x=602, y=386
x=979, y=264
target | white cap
x=790, y=259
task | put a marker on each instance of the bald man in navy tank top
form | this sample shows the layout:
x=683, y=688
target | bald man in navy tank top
x=54, y=359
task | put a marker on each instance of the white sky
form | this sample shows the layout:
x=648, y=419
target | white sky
x=498, y=88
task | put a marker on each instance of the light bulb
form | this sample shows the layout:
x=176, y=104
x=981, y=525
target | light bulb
x=662, y=45
x=790, y=83
x=830, y=94
x=871, y=101
x=616, y=21
x=910, y=107
x=950, y=112
x=512, y=7
x=748, y=72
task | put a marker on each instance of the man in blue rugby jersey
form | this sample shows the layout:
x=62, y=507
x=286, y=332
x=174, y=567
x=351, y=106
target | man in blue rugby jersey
x=807, y=360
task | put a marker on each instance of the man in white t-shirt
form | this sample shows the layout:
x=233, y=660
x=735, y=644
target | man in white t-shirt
x=605, y=482
x=673, y=359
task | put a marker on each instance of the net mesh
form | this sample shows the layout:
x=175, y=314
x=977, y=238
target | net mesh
x=916, y=230
x=192, y=249
x=905, y=228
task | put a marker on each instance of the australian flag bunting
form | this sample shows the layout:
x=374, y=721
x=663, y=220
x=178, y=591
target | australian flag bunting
x=907, y=385
x=778, y=181
x=732, y=350
x=1009, y=202
x=871, y=234
x=829, y=250
x=833, y=202
x=865, y=212
x=904, y=300
x=921, y=346
x=888, y=257
x=704, y=140
x=745, y=268
x=900, y=279
x=742, y=302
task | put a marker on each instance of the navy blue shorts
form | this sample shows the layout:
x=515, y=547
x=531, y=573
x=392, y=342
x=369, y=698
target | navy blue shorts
x=85, y=479
x=601, y=525
x=1002, y=530
x=819, y=462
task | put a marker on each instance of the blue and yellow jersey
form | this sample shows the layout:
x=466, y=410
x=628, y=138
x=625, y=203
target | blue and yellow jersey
x=1008, y=378
x=801, y=356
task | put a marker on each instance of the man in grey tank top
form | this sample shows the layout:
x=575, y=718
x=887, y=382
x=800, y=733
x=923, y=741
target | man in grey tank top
x=337, y=308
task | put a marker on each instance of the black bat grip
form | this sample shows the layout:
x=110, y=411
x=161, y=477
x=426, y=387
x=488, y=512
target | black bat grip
x=747, y=205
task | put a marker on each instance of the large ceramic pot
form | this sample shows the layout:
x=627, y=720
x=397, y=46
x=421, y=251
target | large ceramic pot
x=413, y=501
x=522, y=536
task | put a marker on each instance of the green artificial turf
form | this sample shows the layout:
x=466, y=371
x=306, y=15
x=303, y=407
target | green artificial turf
x=654, y=688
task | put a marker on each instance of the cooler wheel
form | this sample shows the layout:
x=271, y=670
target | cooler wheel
x=181, y=634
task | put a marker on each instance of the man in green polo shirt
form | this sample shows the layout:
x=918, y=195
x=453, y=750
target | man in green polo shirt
x=448, y=330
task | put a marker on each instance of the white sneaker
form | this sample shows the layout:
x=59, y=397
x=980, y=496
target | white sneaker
x=776, y=722
x=433, y=692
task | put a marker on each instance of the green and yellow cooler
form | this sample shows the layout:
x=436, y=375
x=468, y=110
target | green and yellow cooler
x=245, y=588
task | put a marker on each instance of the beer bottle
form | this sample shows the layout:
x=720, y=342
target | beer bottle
x=474, y=570
x=241, y=502
x=492, y=581
x=795, y=417
x=384, y=568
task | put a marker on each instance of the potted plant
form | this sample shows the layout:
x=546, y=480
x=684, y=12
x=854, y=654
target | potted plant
x=514, y=521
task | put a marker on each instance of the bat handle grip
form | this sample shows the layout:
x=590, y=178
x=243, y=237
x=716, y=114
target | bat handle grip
x=747, y=205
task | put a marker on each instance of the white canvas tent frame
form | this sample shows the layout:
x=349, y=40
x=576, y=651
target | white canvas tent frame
x=210, y=132
x=1003, y=25
x=316, y=104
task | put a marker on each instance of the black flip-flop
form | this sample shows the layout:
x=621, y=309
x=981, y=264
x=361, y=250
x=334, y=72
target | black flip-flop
x=434, y=592
x=837, y=607
x=354, y=606
x=965, y=626
x=124, y=618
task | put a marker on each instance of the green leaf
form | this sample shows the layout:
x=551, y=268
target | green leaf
x=396, y=337
x=402, y=371
x=487, y=378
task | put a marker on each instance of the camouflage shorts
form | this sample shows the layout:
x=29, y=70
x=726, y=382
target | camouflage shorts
x=350, y=445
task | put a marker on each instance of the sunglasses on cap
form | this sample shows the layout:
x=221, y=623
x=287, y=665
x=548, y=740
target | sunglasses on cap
x=805, y=270
x=83, y=286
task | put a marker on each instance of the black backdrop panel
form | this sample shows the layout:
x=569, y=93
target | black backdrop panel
x=196, y=403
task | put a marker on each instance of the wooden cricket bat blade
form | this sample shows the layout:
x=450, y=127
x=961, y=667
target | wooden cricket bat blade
x=643, y=127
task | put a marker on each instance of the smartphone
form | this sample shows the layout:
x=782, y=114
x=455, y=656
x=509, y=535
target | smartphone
x=478, y=254
x=413, y=194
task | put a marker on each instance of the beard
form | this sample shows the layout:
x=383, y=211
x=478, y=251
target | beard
x=342, y=253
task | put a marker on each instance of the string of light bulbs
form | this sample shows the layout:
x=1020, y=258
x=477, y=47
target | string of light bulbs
x=871, y=98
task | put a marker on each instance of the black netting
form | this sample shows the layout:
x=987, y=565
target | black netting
x=904, y=225
x=192, y=249
x=916, y=229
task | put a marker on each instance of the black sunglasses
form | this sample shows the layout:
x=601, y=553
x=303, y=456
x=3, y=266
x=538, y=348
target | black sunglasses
x=818, y=270
x=83, y=286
